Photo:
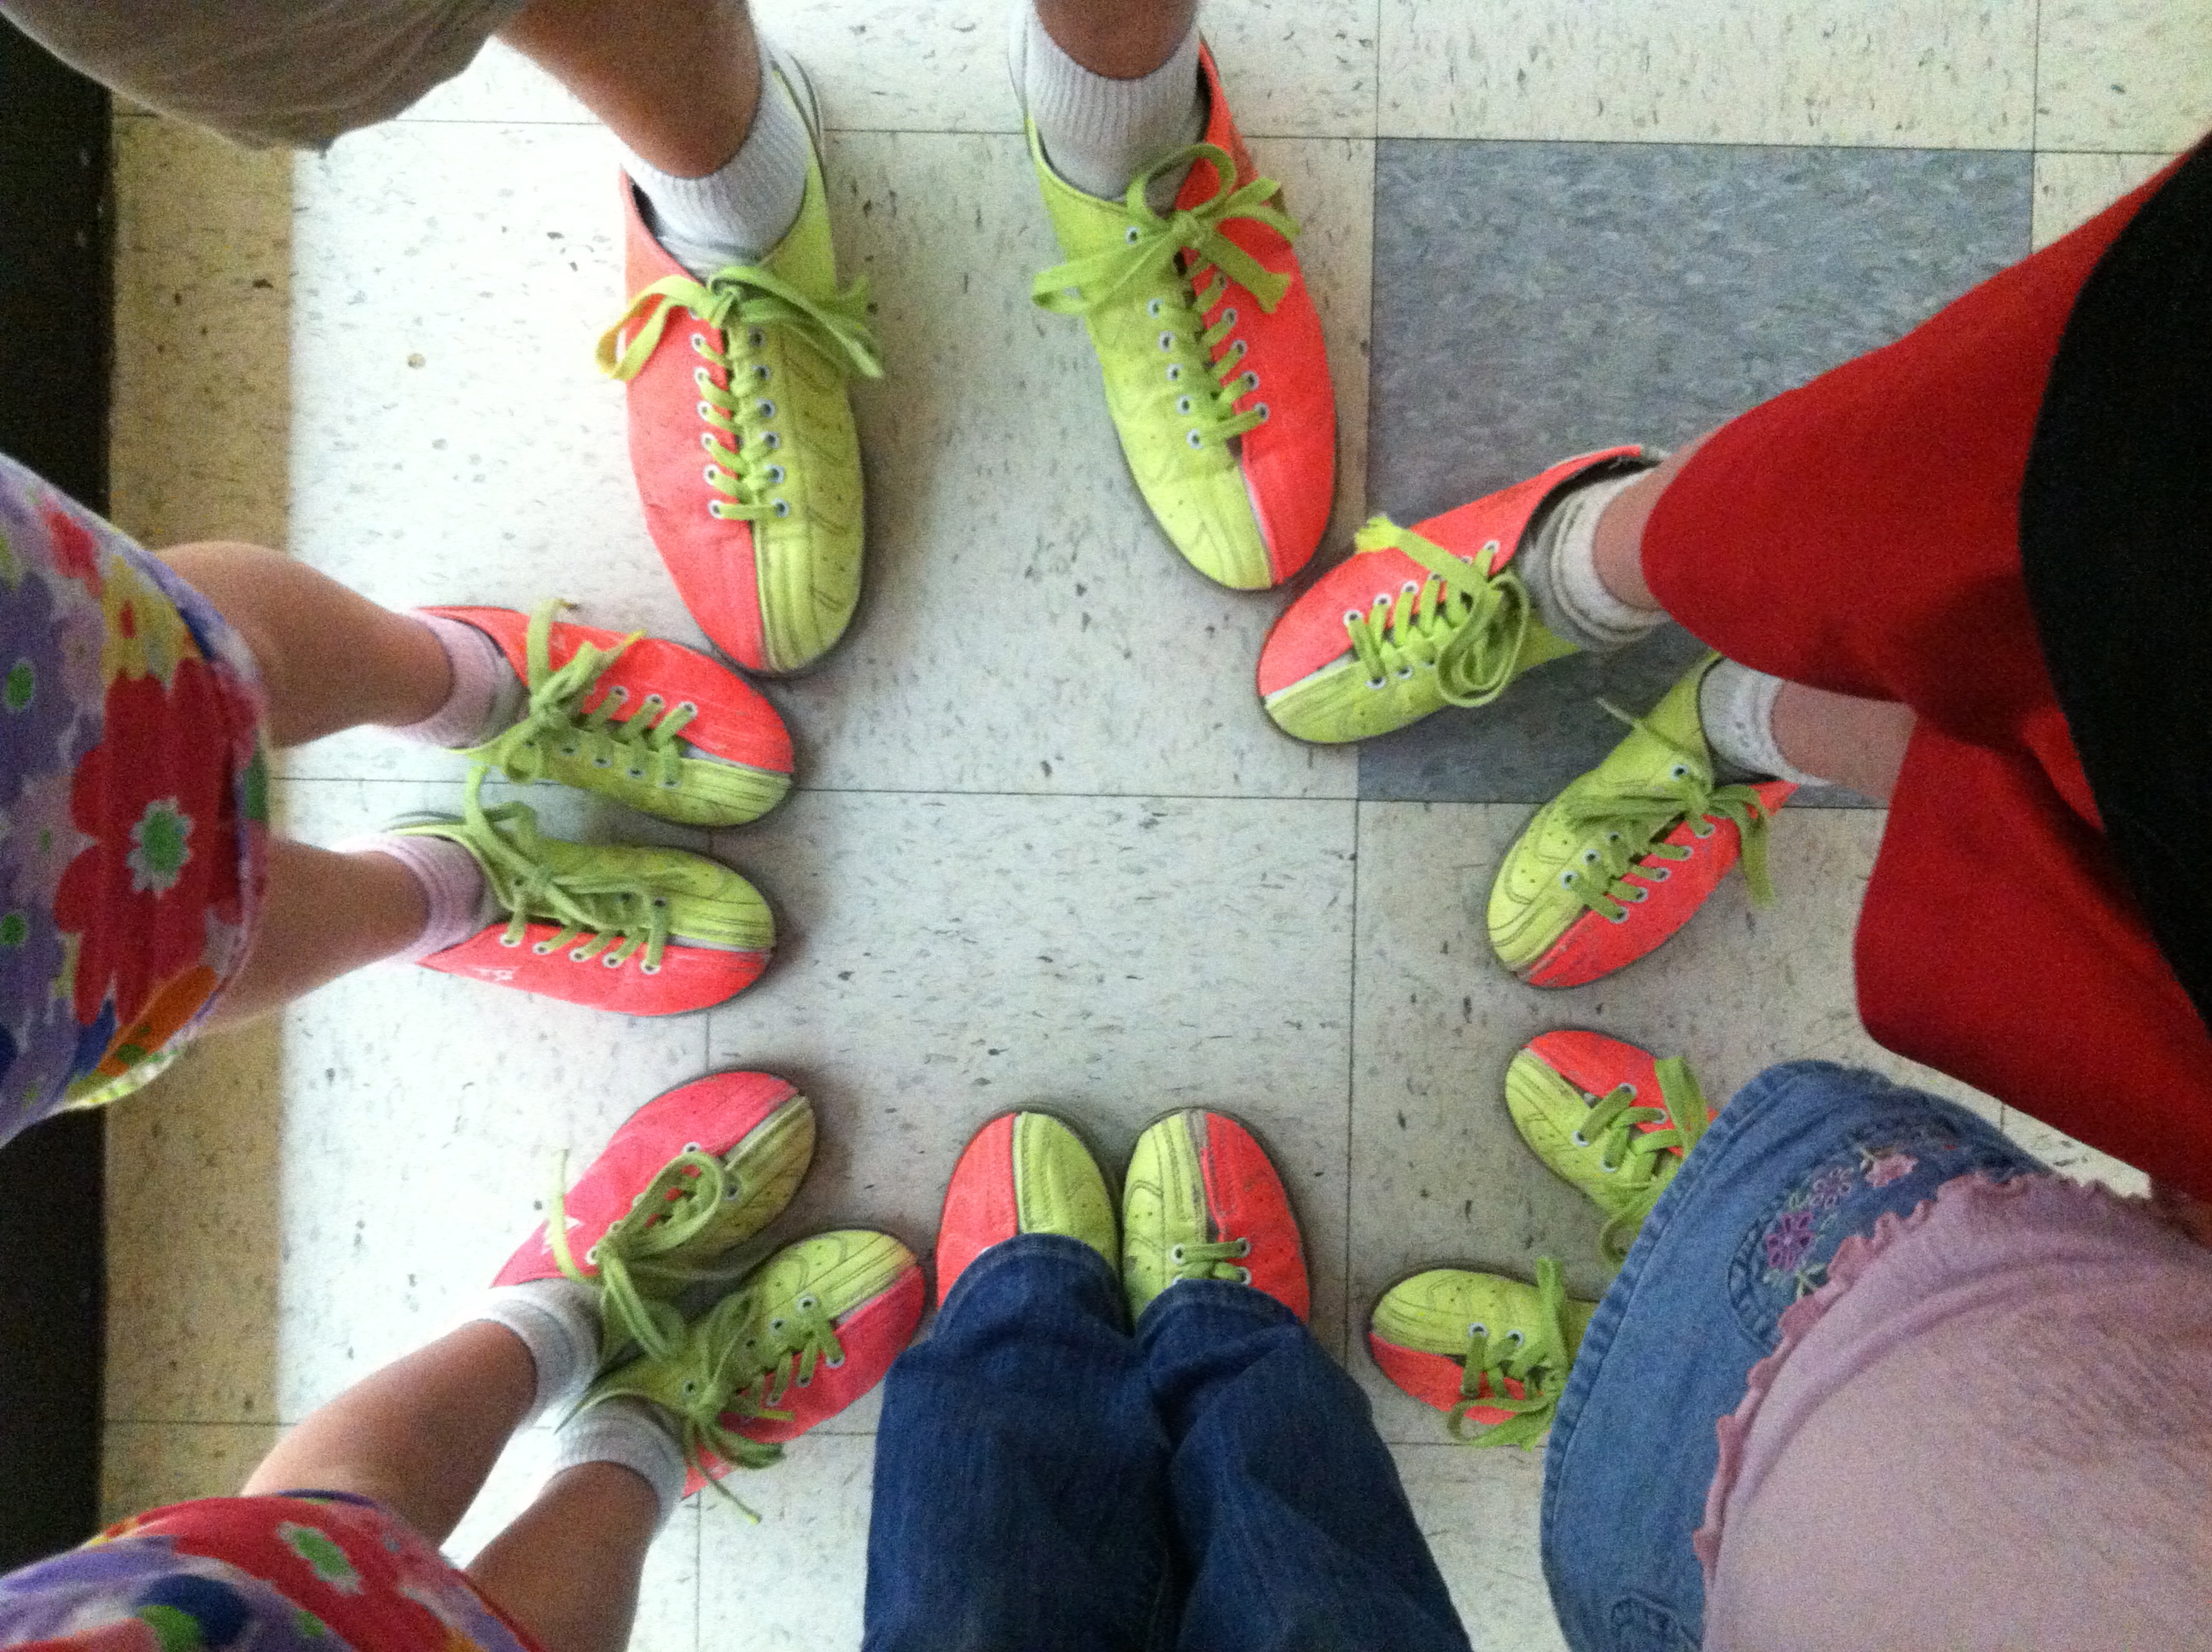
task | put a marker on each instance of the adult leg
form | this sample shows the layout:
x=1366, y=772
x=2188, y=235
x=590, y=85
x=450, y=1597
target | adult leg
x=1021, y=1470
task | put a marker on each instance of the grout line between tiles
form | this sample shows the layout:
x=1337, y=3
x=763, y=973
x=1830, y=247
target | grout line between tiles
x=2035, y=87
x=1351, y=1082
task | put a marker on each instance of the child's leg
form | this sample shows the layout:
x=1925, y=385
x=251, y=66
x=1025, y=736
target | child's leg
x=330, y=659
x=419, y=1435
x=298, y=948
x=566, y=1570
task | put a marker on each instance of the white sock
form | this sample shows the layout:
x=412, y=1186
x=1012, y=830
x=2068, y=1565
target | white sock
x=737, y=212
x=558, y=1320
x=1735, y=704
x=1099, y=132
x=1559, y=566
x=453, y=888
x=626, y=1432
x=486, y=696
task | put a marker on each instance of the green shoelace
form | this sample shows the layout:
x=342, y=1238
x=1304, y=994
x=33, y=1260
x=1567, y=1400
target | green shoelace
x=1620, y=825
x=1466, y=626
x=1537, y=1362
x=740, y=304
x=1644, y=1158
x=737, y=1363
x=594, y=910
x=644, y=745
x=1211, y=1260
x=633, y=1257
x=1151, y=243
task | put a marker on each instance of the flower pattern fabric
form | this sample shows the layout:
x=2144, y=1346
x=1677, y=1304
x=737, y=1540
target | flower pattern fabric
x=133, y=806
x=304, y=1572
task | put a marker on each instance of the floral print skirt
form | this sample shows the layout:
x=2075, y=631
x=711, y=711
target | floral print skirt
x=133, y=807
x=305, y=1571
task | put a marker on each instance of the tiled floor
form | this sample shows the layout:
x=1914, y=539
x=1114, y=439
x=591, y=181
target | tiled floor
x=1046, y=847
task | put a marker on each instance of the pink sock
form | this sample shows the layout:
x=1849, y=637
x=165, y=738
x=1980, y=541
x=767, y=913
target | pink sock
x=453, y=887
x=487, y=695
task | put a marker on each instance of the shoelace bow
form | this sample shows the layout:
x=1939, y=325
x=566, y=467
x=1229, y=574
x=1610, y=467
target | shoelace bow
x=1465, y=625
x=745, y=1365
x=1152, y=243
x=739, y=303
x=1621, y=824
x=644, y=743
x=1211, y=1260
x=1644, y=1158
x=1536, y=1362
x=595, y=909
x=634, y=1254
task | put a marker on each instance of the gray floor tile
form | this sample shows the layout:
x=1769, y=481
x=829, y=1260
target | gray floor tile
x=1536, y=300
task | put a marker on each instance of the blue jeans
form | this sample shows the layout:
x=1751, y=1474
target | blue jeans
x=1045, y=1480
x=1805, y=1155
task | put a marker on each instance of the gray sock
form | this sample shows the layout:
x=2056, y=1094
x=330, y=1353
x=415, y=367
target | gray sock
x=558, y=1320
x=626, y=1432
x=737, y=212
x=1735, y=705
x=1558, y=564
x=1099, y=132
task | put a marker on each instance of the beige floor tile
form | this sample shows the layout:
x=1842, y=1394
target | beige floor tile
x=149, y=1465
x=2124, y=75
x=1302, y=68
x=1920, y=74
x=953, y=957
x=2072, y=189
x=2062, y=1152
x=1479, y=1511
x=794, y=1580
x=203, y=295
x=1438, y=1175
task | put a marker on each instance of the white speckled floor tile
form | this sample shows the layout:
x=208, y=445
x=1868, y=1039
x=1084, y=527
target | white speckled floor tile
x=2123, y=74
x=1026, y=627
x=951, y=957
x=1438, y=1175
x=150, y=1465
x=203, y=297
x=2072, y=189
x=1925, y=73
x=1302, y=68
x=794, y=1582
x=2062, y=1152
x=1479, y=1510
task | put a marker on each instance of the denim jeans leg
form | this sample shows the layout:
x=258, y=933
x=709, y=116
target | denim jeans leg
x=1021, y=1470
x=1803, y=1156
x=1293, y=1529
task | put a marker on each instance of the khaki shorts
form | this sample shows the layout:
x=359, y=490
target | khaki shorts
x=267, y=73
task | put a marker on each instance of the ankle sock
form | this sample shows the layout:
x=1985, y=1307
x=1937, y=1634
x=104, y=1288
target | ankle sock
x=558, y=1320
x=1099, y=132
x=1559, y=566
x=453, y=884
x=1735, y=705
x=486, y=697
x=626, y=1432
x=738, y=212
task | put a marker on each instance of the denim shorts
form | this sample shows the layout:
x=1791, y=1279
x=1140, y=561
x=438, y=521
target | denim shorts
x=1803, y=1156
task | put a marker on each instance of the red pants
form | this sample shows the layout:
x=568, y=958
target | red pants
x=1861, y=535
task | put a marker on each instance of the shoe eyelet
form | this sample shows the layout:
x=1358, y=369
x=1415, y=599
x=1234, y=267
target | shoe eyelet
x=776, y=1324
x=1590, y=857
x=1620, y=917
x=510, y=940
x=672, y=784
x=706, y=437
x=1477, y=1328
x=765, y=408
x=1579, y=1140
x=611, y=961
x=699, y=377
x=1656, y=874
x=1131, y=234
x=660, y=900
x=807, y=1381
x=1567, y=878
x=1243, y=1247
x=699, y=343
x=691, y=1387
x=1378, y=681
x=1174, y=1255
x=715, y=510
x=756, y=337
x=651, y=701
x=1679, y=772
x=1175, y=372
x=691, y=705
x=706, y=411
x=775, y=473
x=1516, y=1338
x=1196, y=439
x=1703, y=829
x=1184, y=405
x=1352, y=615
x=1167, y=340
x=592, y=1254
x=1243, y=1276
x=1264, y=413
x=783, y=507
x=1632, y=893
x=1251, y=380
x=836, y=1364
x=1403, y=672
x=806, y=1303
x=603, y=761
x=1156, y=308
x=710, y=475
x=648, y=969
x=1412, y=587
x=571, y=748
x=1237, y=350
x=635, y=774
x=579, y=956
x=761, y=372
x=1228, y=317
x=770, y=441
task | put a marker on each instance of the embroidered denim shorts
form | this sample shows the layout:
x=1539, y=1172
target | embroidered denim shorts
x=1804, y=1156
